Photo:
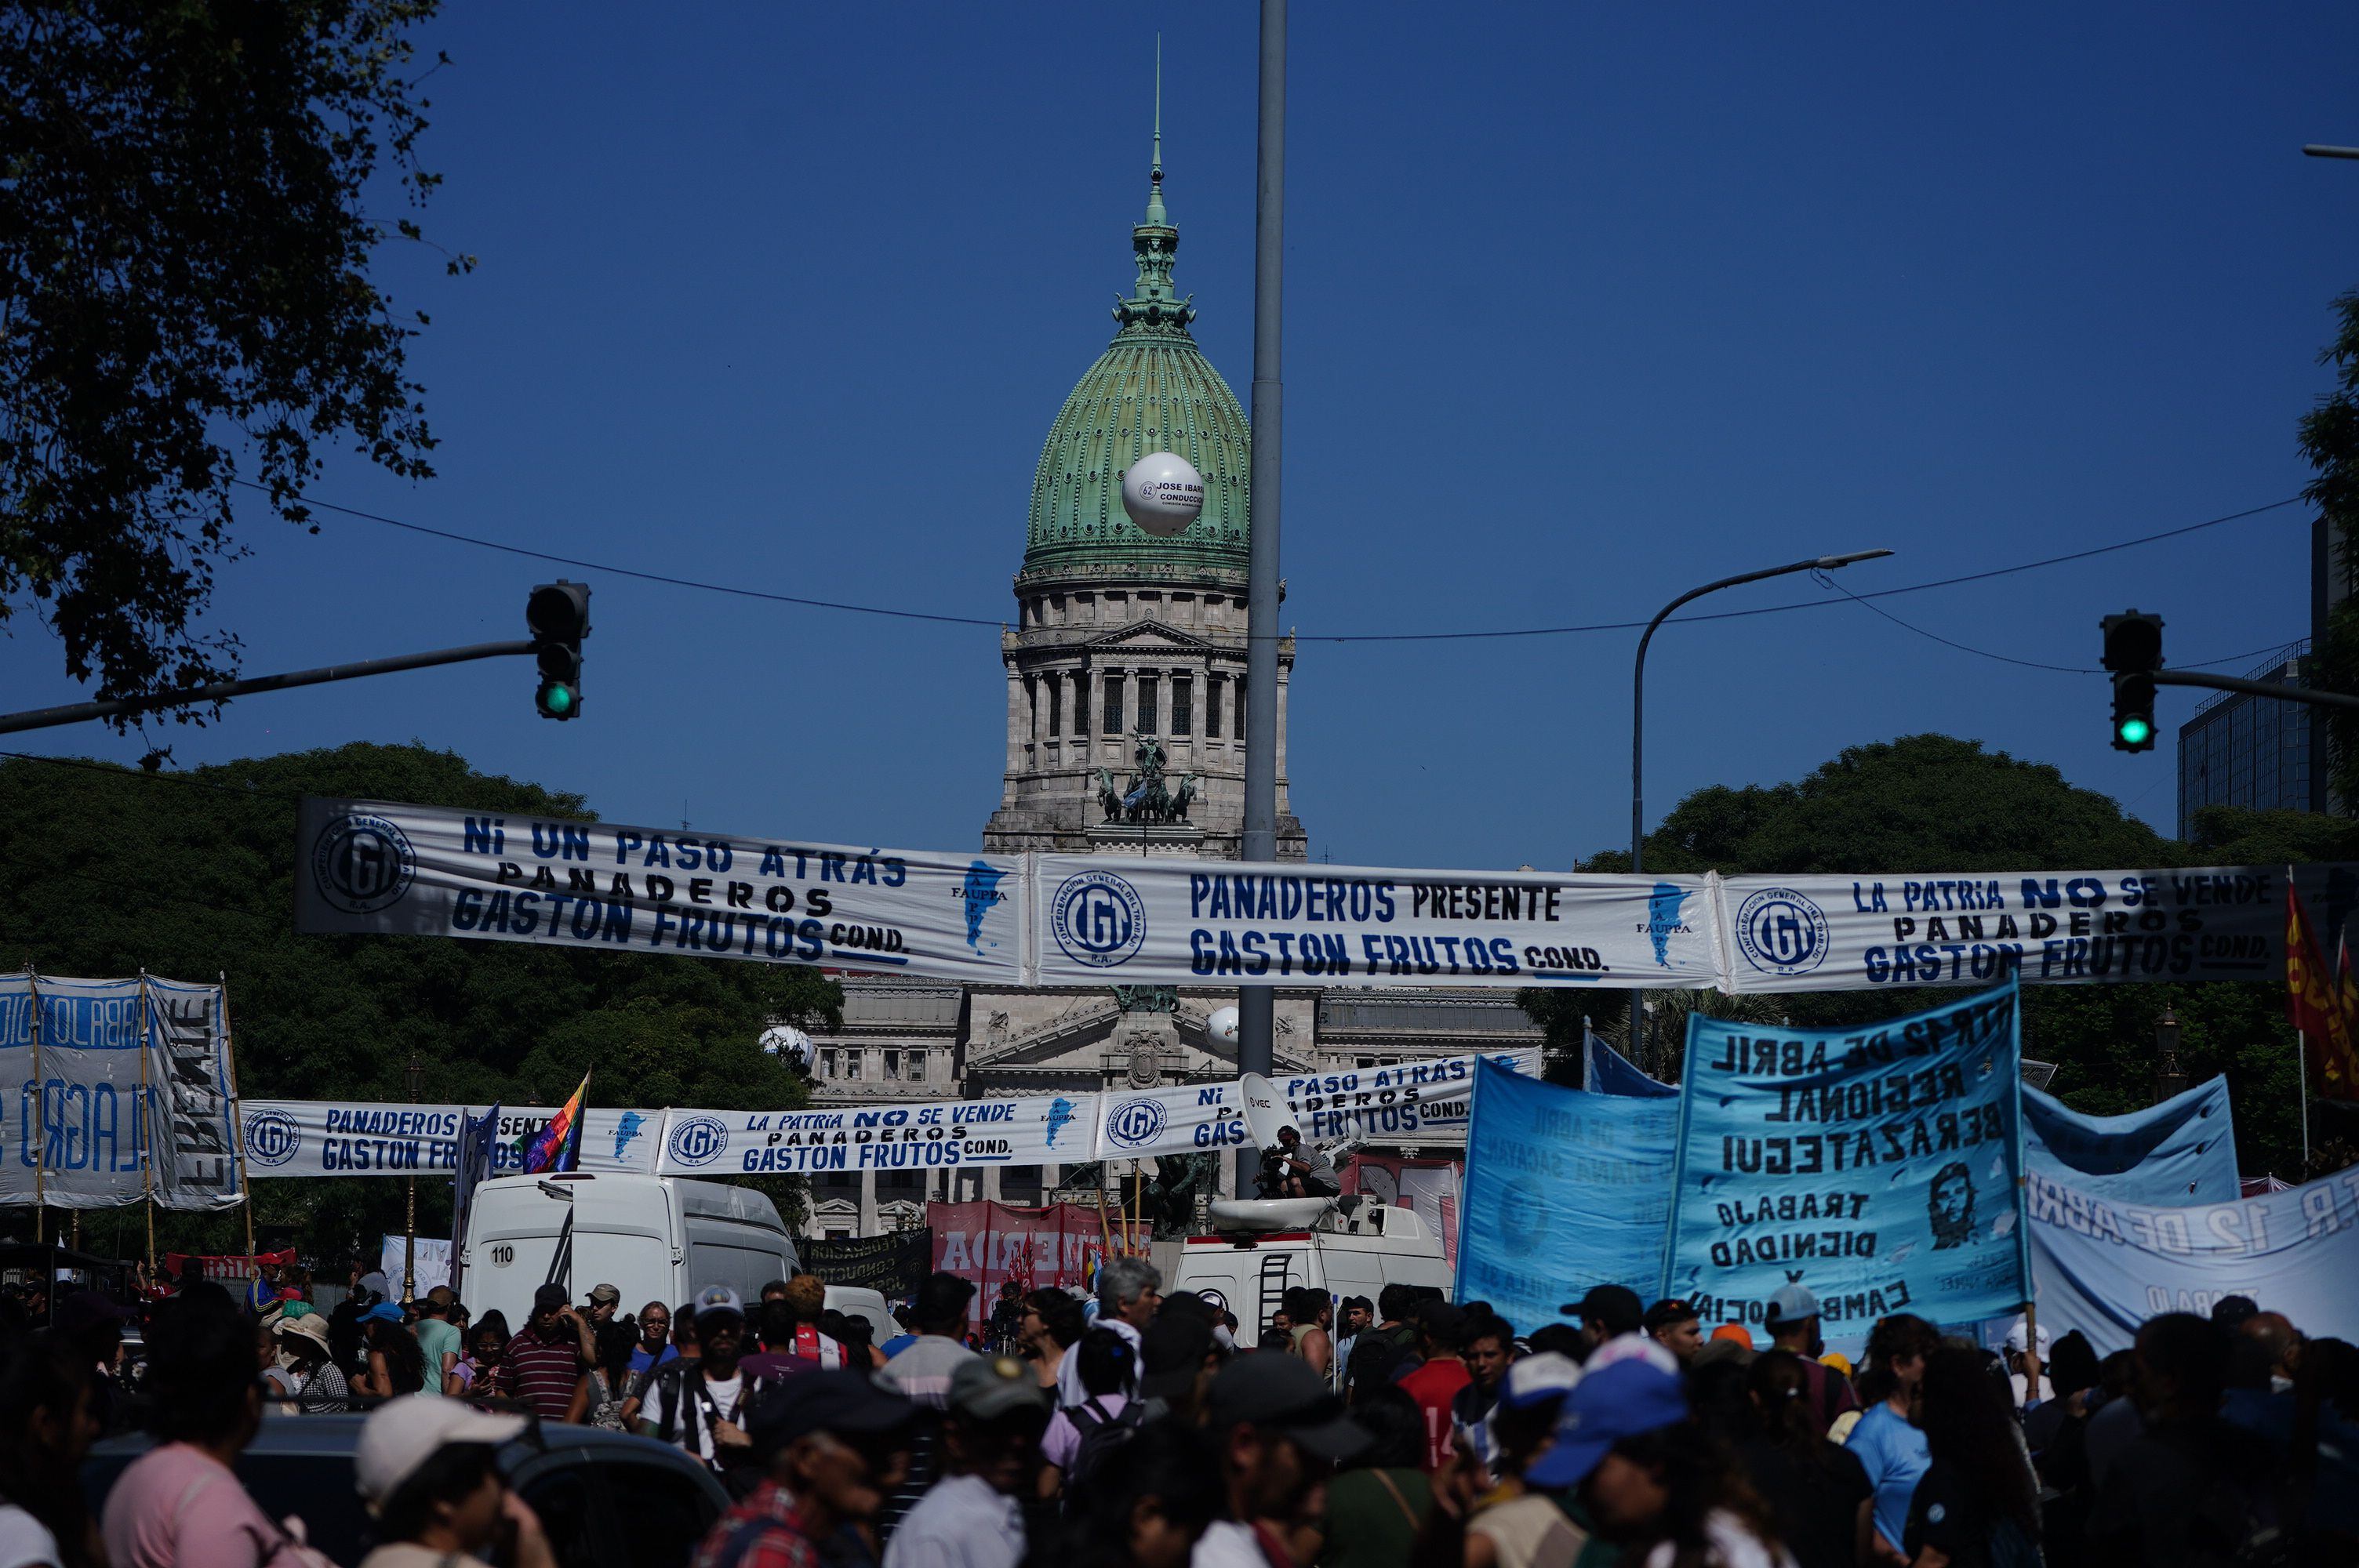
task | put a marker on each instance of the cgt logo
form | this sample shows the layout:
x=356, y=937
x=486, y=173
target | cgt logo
x=361, y=864
x=1782, y=933
x=698, y=1140
x=272, y=1138
x=1136, y=1123
x=1098, y=919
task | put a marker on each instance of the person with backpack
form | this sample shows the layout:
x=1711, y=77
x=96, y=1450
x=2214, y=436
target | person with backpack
x=1079, y=1437
x=700, y=1405
x=829, y=1446
x=972, y=1517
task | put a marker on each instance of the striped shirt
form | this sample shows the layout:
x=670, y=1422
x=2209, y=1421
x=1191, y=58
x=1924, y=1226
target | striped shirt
x=542, y=1370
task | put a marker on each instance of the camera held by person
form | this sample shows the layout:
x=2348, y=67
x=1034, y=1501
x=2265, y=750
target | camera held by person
x=1295, y=1170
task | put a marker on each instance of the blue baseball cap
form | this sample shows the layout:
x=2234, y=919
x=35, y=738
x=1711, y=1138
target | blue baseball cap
x=382, y=1312
x=1607, y=1406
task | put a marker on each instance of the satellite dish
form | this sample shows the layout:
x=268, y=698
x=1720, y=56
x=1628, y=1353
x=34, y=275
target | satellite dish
x=1265, y=1113
x=1222, y=1026
x=1163, y=493
x=789, y=1045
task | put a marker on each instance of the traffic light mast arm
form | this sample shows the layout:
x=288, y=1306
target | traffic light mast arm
x=219, y=691
x=2258, y=688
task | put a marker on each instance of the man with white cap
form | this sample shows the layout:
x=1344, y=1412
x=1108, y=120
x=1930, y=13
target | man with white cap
x=1792, y=1319
x=1514, y=1527
x=429, y=1471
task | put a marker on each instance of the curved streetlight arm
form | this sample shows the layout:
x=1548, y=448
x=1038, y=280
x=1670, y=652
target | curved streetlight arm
x=1638, y=711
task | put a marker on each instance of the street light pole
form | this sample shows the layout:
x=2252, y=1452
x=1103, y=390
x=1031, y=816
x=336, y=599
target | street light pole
x=1638, y=731
x=1256, y=1004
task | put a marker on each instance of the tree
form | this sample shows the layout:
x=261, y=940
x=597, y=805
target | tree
x=185, y=300
x=2330, y=439
x=1937, y=802
x=191, y=874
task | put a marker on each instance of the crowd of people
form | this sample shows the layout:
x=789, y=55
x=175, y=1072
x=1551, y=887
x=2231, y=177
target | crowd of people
x=1132, y=1429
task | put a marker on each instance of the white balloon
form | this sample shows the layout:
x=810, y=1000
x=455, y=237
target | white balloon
x=783, y=1039
x=1222, y=1025
x=1163, y=493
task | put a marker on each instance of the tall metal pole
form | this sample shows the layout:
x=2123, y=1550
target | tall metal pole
x=1255, y=1016
x=1639, y=742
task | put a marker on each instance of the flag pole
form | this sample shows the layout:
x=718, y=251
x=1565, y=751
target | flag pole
x=2301, y=1075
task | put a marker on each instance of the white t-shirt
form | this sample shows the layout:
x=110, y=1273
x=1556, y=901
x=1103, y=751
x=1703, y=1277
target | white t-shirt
x=725, y=1398
x=1225, y=1543
x=1732, y=1546
x=25, y=1541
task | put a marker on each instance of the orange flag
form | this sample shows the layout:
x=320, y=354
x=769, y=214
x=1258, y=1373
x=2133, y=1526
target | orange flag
x=2319, y=1005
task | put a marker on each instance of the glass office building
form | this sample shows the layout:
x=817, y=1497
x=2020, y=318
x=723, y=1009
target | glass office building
x=2240, y=749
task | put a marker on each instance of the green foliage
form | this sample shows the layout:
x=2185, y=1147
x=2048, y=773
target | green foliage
x=184, y=252
x=191, y=874
x=1928, y=803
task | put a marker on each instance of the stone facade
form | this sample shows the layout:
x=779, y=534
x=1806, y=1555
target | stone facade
x=1119, y=635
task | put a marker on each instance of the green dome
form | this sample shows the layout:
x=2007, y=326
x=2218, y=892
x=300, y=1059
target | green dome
x=1151, y=391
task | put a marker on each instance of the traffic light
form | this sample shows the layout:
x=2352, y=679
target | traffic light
x=2133, y=652
x=558, y=614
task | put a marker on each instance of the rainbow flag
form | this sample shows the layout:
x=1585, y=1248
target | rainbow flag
x=558, y=1146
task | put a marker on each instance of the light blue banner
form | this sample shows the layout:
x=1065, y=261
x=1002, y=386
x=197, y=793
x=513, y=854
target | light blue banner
x=1563, y=1190
x=1877, y=1166
x=2180, y=1152
x=2104, y=1266
x=1611, y=1073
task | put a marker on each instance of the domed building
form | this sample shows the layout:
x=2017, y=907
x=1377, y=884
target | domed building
x=1127, y=658
x=1123, y=640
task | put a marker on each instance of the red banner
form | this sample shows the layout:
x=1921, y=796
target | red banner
x=992, y=1243
x=232, y=1269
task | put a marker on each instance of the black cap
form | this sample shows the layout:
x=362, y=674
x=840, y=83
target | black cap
x=1270, y=1390
x=830, y=1399
x=1171, y=1350
x=1440, y=1319
x=1613, y=1308
x=549, y=1296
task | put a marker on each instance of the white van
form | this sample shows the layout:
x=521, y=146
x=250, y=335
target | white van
x=655, y=1238
x=1353, y=1248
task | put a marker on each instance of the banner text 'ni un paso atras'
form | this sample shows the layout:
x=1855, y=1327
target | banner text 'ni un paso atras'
x=1955, y=928
x=1106, y=919
x=1035, y=1129
x=1877, y=1166
x=373, y=866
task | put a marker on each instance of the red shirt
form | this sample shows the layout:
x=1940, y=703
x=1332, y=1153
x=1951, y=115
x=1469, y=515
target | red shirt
x=1433, y=1386
x=542, y=1372
x=763, y=1532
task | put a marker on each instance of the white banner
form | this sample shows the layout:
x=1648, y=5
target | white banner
x=1037, y=1130
x=433, y=1260
x=1893, y=931
x=1399, y=1103
x=71, y=1132
x=1110, y=919
x=361, y=1137
x=378, y=867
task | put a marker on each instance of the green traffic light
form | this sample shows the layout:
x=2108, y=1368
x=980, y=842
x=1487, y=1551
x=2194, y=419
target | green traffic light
x=556, y=699
x=2136, y=731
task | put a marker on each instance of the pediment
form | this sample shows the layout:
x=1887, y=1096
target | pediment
x=1150, y=634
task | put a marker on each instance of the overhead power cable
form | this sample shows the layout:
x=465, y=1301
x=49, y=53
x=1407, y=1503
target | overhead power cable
x=848, y=607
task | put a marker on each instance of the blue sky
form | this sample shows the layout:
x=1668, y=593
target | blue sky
x=1585, y=304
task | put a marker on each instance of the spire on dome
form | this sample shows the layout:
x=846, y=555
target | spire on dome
x=1154, y=306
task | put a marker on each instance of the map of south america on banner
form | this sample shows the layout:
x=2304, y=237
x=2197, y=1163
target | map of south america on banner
x=377, y=867
x=1877, y=1166
x=362, y=1137
x=1128, y=920
x=1949, y=928
x=1035, y=1129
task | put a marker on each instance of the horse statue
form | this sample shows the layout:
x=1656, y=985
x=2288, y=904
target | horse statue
x=1109, y=796
x=1182, y=801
